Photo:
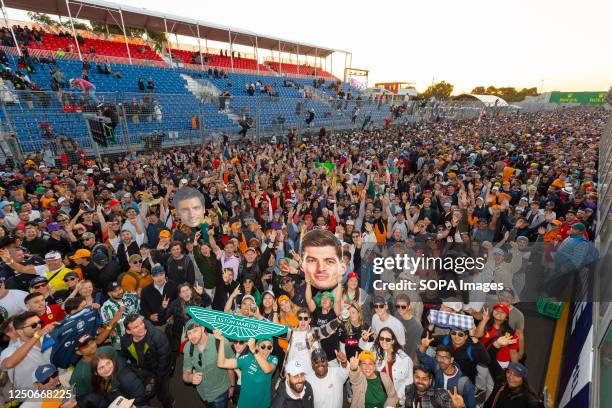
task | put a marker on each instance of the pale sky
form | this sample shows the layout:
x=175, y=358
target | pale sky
x=568, y=44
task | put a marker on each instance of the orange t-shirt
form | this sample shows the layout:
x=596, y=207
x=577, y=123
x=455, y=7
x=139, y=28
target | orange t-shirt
x=291, y=321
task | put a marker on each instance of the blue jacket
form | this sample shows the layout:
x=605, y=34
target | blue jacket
x=468, y=391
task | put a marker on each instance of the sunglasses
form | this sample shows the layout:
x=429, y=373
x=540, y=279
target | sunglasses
x=457, y=333
x=264, y=347
x=69, y=279
x=33, y=325
x=303, y=318
x=385, y=339
x=379, y=306
x=40, y=285
x=401, y=307
x=137, y=262
x=239, y=342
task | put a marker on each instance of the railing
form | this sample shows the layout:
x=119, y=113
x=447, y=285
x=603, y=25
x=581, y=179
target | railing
x=38, y=118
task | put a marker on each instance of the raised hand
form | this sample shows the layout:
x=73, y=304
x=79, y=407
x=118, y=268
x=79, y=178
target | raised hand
x=165, y=302
x=426, y=341
x=198, y=289
x=504, y=341
x=354, y=363
x=485, y=314
x=456, y=398
x=366, y=334
x=341, y=357
x=252, y=345
x=218, y=335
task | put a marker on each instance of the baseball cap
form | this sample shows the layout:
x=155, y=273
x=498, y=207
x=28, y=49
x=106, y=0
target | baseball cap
x=38, y=280
x=112, y=286
x=53, y=256
x=286, y=279
x=578, y=227
x=134, y=258
x=71, y=275
x=377, y=299
x=54, y=226
x=164, y=234
x=504, y=308
x=366, y=355
x=245, y=297
x=84, y=340
x=283, y=298
x=498, y=251
x=100, y=258
x=81, y=253
x=250, y=249
x=353, y=275
x=112, y=203
x=295, y=367
x=518, y=369
x=5, y=203
x=44, y=372
x=122, y=402
x=88, y=235
x=270, y=292
x=318, y=354
x=157, y=269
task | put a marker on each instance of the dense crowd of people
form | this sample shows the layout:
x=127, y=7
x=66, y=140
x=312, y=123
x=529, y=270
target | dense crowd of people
x=116, y=249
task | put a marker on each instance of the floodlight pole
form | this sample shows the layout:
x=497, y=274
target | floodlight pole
x=73, y=30
x=168, y=43
x=200, y=47
x=127, y=47
x=331, y=64
x=10, y=27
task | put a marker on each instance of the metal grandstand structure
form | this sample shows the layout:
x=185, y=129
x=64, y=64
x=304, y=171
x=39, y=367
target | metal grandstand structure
x=126, y=16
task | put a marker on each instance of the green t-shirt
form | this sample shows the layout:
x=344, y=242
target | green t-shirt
x=256, y=385
x=81, y=375
x=215, y=381
x=376, y=395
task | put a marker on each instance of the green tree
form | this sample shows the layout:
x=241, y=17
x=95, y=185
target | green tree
x=42, y=18
x=509, y=94
x=441, y=90
x=479, y=90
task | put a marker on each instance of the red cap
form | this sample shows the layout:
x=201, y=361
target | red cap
x=353, y=275
x=113, y=202
x=90, y=182
x=502, y=307
x=427, y=191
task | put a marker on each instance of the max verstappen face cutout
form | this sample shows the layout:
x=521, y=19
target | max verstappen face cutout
x=321, y=253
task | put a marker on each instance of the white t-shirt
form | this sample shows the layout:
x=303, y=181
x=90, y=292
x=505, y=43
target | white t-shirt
x=329, y=390
x=394, y=324
x=12, y=304
x=21, y=374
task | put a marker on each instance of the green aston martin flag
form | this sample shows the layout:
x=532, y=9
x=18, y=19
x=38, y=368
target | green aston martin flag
x=235, y=327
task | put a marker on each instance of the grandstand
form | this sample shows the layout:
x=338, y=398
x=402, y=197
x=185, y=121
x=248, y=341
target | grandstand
x=185, y=104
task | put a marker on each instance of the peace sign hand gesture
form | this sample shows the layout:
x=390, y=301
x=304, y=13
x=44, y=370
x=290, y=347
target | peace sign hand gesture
x=198, y=289
x=165, y=302
x=425, y=342
x=456, y=398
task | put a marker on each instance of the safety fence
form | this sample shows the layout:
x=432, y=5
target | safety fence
x=105, y=123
